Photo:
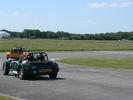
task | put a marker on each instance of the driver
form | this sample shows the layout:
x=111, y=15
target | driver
x=30, y=57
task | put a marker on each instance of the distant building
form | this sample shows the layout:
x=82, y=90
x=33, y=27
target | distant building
x=125, y=40
x=63, y=38
x=33, y=37
x=4, y=34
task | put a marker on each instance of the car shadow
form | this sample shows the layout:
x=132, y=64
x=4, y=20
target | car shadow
x=38, y=78
x=10, y=75
x=43, y=78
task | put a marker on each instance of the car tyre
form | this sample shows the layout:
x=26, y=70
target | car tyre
x=21, y=74
x=5, y=70
x=53, y=75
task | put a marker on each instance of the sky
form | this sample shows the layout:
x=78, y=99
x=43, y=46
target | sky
x=74, y=16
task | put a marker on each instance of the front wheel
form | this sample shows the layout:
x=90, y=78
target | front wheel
x=5, y=69
x=53, y=75
x=21, y=74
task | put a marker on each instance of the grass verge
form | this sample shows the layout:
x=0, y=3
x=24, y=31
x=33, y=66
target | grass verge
x=65, y=45
x=5, y=98
x=121, y=63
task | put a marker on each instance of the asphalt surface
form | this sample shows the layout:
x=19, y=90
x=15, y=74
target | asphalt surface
x=74, y=82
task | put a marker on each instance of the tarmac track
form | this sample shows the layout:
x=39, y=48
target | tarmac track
x=74, y=82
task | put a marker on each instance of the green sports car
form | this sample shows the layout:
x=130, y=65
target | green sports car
x=31, y=64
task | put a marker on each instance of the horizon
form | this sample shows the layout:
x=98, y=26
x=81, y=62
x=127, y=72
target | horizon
x=4, y=30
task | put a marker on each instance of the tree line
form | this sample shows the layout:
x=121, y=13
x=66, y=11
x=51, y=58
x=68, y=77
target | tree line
x=30, y=33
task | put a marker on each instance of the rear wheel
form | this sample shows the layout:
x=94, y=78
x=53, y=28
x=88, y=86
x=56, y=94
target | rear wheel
x=53, y=75
x=21, y=74
x=5, y=69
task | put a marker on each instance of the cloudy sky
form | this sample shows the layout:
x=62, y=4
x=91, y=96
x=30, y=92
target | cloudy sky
x=75, y=16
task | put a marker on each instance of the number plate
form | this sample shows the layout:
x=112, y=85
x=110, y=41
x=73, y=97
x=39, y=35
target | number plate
x=45, y=70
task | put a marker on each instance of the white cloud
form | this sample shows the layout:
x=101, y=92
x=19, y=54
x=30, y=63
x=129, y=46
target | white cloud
x=97, y=5
x=113, y=5
x=18, y=13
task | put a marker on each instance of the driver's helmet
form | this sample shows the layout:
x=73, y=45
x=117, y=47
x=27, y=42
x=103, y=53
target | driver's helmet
x=42, y=57
x=14, y=50
x=30, y=57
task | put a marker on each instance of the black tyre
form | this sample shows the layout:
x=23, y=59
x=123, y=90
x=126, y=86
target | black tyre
x=5, y=69
x=21, y=74
x=53, y=75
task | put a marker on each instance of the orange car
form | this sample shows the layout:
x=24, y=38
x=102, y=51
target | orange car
x=15, y=53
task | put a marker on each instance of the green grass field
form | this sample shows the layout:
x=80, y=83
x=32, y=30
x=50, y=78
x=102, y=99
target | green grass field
x=122, y=63
x=65, y=45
